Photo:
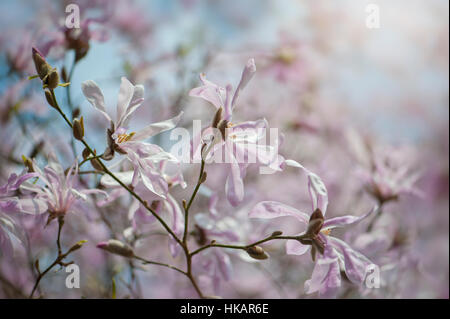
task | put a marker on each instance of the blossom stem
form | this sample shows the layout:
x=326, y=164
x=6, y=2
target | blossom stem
x=200, y=180
x=243, y=247
x=145, y=261
x=58, y=239
x=58, y=260
x=90, y=172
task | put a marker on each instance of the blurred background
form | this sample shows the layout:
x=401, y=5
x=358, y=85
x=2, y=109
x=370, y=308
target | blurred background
x=347, y=98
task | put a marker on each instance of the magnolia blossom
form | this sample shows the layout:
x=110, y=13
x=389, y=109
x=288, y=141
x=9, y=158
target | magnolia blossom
x=334, y=254
x=241, y=143
x=139, y=153
x=10, y=204
x=63, y=38
x=387, y=172
x=59, y=192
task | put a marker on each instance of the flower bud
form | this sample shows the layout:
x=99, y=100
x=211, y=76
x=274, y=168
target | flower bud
x=86, y=153
x=78, y=128
x=77, y=246
x=96, y=164
x=256, y=252
x=53, y=79
x=116, y=247
x=49, y=97
x=42, y=67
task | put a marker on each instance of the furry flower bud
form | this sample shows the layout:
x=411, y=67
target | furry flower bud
x=256, y=252
x=41, y=65
x=78, y=128
x=49, y=98
x=53, y=79
x=116, y=247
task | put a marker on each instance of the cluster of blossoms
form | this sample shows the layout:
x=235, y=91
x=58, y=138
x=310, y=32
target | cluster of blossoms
x=208, y=224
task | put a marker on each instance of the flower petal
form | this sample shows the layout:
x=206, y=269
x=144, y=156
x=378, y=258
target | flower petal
x=210, y=92
x=346, y=220
x=355, y=263
x=294, y=247
x=272, y=209
x=94, y=95
x=123, y=101
x=247, y=74
x=234, y=184
x=156, y=128
x=317, y=190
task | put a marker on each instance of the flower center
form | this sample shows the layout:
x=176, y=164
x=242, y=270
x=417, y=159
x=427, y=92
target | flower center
x=326, y=231
x=124, y=137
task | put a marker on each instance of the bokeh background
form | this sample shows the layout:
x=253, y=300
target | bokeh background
x=344, y=96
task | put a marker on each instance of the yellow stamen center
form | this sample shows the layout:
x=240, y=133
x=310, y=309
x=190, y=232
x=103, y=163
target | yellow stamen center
x=326, y=231
x=125, y=137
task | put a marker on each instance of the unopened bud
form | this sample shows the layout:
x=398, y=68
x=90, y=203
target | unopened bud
x=256, y=252
x=53, y=79
x=116, y=247
x=77, y=246
x=78, y=128
x=49, y=97
x=86, y=152
x=96, y=163
x=42, y=67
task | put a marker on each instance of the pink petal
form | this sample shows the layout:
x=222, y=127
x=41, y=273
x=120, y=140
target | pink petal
x=294, y=247
x=95, y=96
x=271, y=209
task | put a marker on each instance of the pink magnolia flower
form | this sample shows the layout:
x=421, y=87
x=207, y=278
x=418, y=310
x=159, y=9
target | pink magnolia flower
x=77, y=39
x=240, y=143
x=387, y=172
x=58, y=192
x=139, y=153
x=334, y=254
x=10, y=203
